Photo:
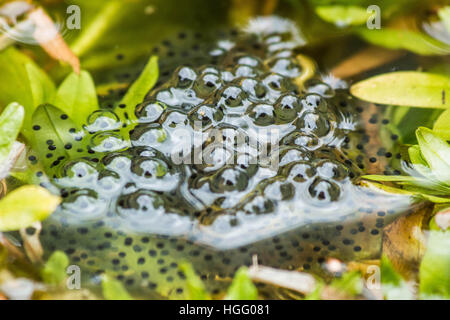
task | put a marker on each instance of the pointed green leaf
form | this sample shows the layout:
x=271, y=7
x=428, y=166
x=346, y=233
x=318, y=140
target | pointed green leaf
x=54, y=270
x=404, y=39
x=113, y=289
x=55, y=138
x=436, y=152
x=11, y=121
x=195, y=286
x=77, y=97
x=442, y=125
x=406, y=88
x=139, y=89
x=435, y=265
x=42, y=88
x=242, y=287
x=26, y=205
x=343, y=16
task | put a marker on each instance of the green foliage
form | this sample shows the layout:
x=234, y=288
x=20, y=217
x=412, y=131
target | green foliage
x=343, y=16
x=350, y=283
x=406, y=88
x=195, y=287
x=24, y=206
x=141, y=86
x=10, y=123
x=435, y=265
x=242, y=287
x=77, y=97
x=444, y=15
x=393, y=285
x=442, y=125
x=113, y=289
x=54, y=270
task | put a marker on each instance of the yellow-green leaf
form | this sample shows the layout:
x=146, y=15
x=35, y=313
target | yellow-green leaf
x=242, y=287
x=113, y=289
x=406, y=88
x=195, y=286
x=141, y=86
x=11, y=121
x=343, y=16
x=442, y=125
x=77, y=97
x=404, y=39
x=444, y=14
x=26, y=205
x=54, y=270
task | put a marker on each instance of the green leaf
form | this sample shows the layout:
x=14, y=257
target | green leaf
x=444, y=15
x=406, y=88
x=351, y=283
x=23, y=82
x=434, y=268
x=56, y=135
x=242, y=287
x=404, y=39
x=393, y=285
x=77, y=97
x=442, y=125
x=54, y=270
x=195, y=286
x=10, y=123
x=343, y=16
x=436, y=152
x=139, y=89
x=113, y=289
x=26, y=205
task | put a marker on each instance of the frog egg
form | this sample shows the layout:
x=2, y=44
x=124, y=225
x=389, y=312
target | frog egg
x=209, y=69
x=149, y=112
x=175, y=119
x=84, y=204
x=314, y=123
x=300, y=171
x=247, y=163
x=255, y=89
x=184, y=77
x=260, y=205
x=286, y=67
x=262, y=114
x=247, y=60
x=314, y=102
x=141, y=204
x=148, y=135
x=102, y=120
x=229, y=179
x=108, y=142
x=109, y=181
x=149, y=168
x=329, y=169
x=207, y=84
x=205, y=116
x=117, y=162
x=291, y=155
x=318, y=87
x=322, y=190
x=231, y=97
x=301, y=139
x=276, y=82
x=80, y=172
x=279, y=191
x=242, y=71
x=214, y=157
x=286, y=108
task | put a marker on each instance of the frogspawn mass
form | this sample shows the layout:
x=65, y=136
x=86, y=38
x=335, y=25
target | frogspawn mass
x=132, y=211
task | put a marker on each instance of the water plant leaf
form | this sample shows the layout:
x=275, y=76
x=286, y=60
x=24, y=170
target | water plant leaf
x=141, y=86
x=350, y=283
x=444, y=15
x=113, y=289
x=343, y=16
x=54, y=270
x=436, y=153
x=195, y=286
x=23, y=82
x=242, y=287
x=403, y=39
x=434, y=275
x=55, y=136
x=393, y=285
x=11, y=121
x=442, y=125
x=26, y=205
x=406, y=88
x=77, y=97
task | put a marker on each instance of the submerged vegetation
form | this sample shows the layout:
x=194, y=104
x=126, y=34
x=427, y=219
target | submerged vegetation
x=358, y=206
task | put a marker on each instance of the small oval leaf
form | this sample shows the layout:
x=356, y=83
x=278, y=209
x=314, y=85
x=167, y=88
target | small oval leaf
x=406, y=88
